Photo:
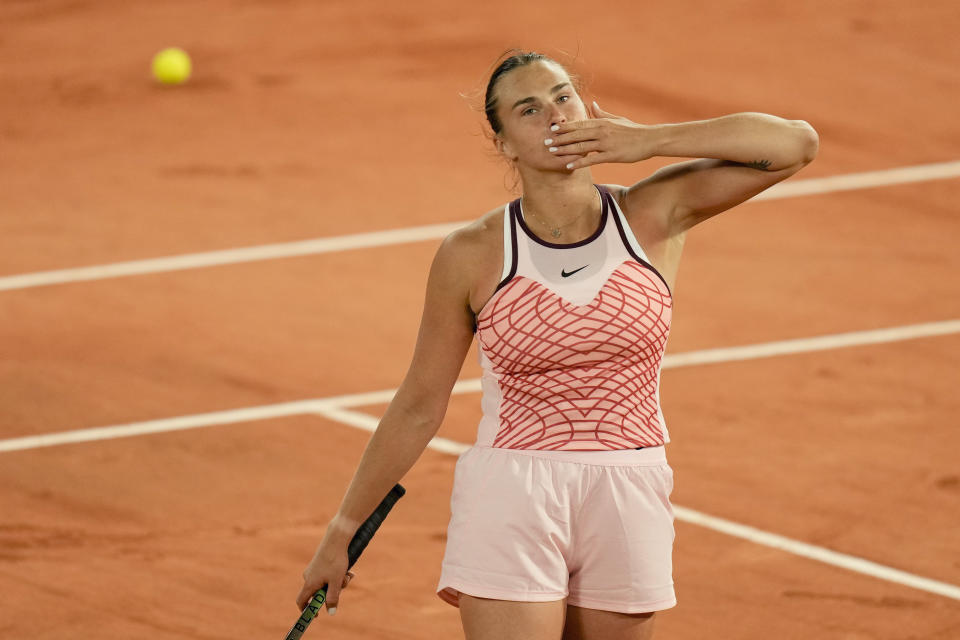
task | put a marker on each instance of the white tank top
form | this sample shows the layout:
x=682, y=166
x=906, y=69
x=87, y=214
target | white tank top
x=571, y=343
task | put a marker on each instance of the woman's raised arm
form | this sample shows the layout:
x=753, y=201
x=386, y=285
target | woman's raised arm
x=740, y=155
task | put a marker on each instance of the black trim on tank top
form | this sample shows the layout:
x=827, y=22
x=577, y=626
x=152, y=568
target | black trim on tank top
x=629, y=247
x=593, y=236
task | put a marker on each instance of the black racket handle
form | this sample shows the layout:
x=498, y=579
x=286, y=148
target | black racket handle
x=357, y=544
x=369, y=527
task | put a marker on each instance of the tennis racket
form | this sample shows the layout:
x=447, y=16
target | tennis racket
x=359, y=542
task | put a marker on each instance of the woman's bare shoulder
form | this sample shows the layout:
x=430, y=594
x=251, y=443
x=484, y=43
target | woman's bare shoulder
x=479, y=237
x=475, y=253
x=639, y=202
x=617, y=191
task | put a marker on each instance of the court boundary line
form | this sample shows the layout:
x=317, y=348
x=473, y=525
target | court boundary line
x=337, y=409
x=824, y=555
x=788, y=189
x=472, y=385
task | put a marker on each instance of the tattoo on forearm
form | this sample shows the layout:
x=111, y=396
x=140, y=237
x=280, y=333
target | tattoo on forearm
x=758, y=164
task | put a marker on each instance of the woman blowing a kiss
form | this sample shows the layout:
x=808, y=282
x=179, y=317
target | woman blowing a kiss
x=561, y=522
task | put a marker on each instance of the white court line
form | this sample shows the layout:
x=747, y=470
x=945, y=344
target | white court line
x=163, y=425
x=337, y=405
x=817, y=343
x=335, y=408
x=368, y=422
x=229, y=256
x=789, y=189
x=813, y=552
x=866, y=180
x=856, y=564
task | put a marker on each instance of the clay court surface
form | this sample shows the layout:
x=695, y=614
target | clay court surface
x=308, y=120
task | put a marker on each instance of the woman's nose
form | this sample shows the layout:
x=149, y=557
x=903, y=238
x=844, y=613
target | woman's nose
x=557, y=116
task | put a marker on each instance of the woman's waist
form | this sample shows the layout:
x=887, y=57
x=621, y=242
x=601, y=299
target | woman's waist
x=652, y=456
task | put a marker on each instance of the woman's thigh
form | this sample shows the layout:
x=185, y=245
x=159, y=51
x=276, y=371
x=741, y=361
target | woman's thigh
x=594, y=624
x=486, y=619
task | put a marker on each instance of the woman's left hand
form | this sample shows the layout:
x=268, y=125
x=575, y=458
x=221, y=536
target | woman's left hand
x=604, y=137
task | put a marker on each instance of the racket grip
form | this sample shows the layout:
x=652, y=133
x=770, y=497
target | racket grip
x=365, y=533
x=357, y=544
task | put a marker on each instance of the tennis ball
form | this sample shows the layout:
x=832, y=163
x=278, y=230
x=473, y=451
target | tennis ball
x=171, y=66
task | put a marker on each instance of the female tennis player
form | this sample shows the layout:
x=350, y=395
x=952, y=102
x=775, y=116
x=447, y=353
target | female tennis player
x=561, y=521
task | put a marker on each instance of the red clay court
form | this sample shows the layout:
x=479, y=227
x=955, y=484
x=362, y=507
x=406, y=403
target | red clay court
x=209, y=292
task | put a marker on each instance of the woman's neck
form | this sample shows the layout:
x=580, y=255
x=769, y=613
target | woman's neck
x=561, y=208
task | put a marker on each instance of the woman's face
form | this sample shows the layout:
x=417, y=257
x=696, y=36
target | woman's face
x=530, y=99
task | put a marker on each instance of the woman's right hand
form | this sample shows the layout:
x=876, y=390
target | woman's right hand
x=602, y=137
x=328, y=567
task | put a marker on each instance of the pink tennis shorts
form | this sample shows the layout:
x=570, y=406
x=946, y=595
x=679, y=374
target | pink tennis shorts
x=595, y=527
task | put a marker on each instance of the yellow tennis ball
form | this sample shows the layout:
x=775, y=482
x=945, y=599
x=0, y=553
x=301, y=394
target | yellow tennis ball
x=171, y=66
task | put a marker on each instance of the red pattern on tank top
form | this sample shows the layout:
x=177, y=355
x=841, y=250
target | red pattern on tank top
x=578, y=373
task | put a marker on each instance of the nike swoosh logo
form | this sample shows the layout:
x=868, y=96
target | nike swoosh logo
x=564, y=274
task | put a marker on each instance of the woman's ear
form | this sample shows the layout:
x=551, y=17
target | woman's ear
x=504, y=148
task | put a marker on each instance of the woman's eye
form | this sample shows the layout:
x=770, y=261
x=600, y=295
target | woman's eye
x=563, y=98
